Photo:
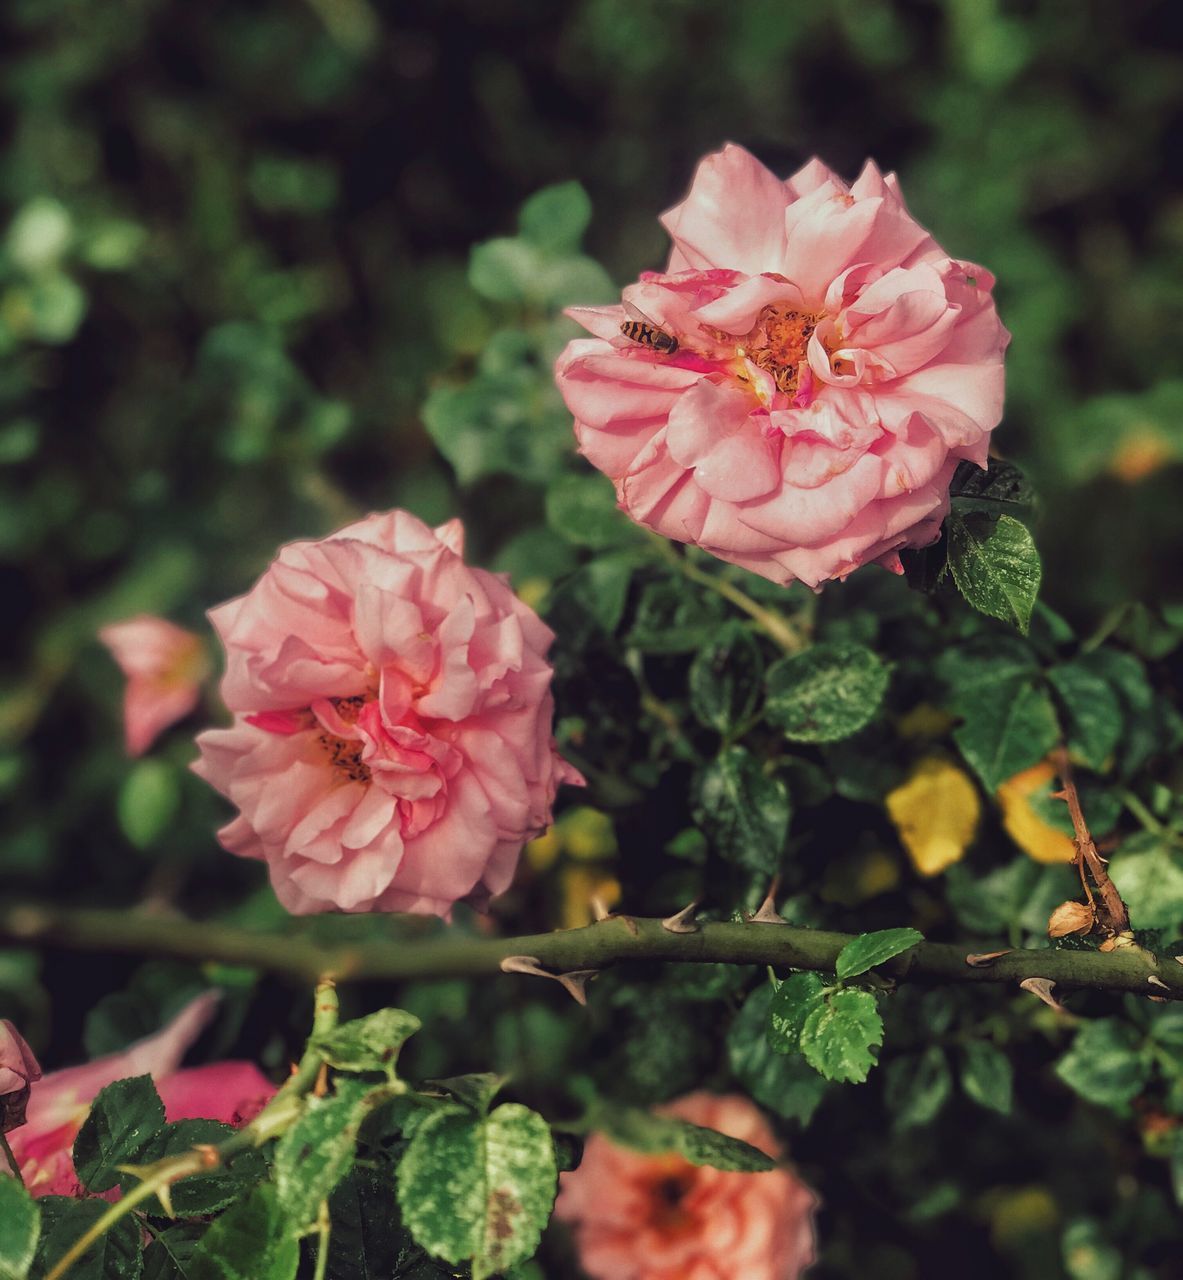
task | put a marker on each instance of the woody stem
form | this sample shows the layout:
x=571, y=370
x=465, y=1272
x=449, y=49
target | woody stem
x=1117, y=918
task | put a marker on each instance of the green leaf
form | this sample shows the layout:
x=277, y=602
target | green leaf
x=369, y=1240
x=987, y=1076
x=583, y=510
x=744, y=812
x=505, y=269
x=475, y=1091
x=157, y=991
x=792, y=1002
x=786, y=1085
x=556, y=217
x=916, y=1086
x=1148, y=872
x=671, y=618
x=255, y=1240
x=995, y=566
x=479, y=1188
x=1092, y=713
x=204, y=1192
x=125, y=1117
x=1106, y=1064
x=997, y=488
x=317, y=1151
x=1143, y=729
x=20, y=1228
x=1088, y=1255
x=116, y=1255
x=658, y=1135
x=841, y=1036
x=170, y=1254
x=869, y=949
x=148, y=802
x=825, y=694
x=368, y=1044
x=725, y=678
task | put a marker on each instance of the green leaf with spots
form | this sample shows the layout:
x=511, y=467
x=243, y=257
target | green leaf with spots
x=744, y=811
x=1106, y=1064
x=869, y=949
x=792, y=1002
x=997, y=488
x=1148, y=872
x=368, y=1044
x=658, y=1135
x=725, y=678
x=987, y=1076
x=124, y=1119
x=825, y=694
x=479, y=1189
x=1091, y=712
x=785, y=1084
x=20, y=1227
x=475, y=1091
x=841, y=1036
x=205, y=1192
x=254, y=1240
x=318, y=1150
x=995, y=566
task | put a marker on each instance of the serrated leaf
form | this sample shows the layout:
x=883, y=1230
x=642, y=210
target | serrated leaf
x=660, y=1134
x=916, y=1086
x=792, y=1002
x=20, y=1229
x=1005, y=731
x=725, y=678
x=116, y=1255
x=839, y=1038
x=785, y=1084
x=995, y=566
x=479, y=1189
x=123, y=1119
x=744, y=812
x=996, y=488
x=987, y=1076
x=317, y=1151
x=368, y=1044
x=1106, y=1064
x=936, y=813
x=1092, y=713
x=476, y=1091
x=254, y=1240
x=204, y=1192
x=825, y=694
x=1148, y=873
x=170, y=1254
x=869, y=949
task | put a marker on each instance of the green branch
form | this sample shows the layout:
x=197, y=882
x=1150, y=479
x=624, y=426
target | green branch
x=616, y=940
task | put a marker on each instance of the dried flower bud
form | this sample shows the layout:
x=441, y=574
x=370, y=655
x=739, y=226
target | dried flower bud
x=18, y=1070
x=1071, y=917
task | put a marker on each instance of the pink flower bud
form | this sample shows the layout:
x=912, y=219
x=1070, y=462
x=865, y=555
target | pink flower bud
x=18, y=1070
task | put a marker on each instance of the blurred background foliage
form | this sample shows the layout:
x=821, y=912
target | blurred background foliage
x=239, y=302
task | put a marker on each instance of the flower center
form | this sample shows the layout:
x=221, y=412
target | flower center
x=345, y=754
x=778, y=343
x=669, y=1212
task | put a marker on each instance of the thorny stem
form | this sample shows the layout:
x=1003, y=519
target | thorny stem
x=275, y=1117
x=1114, y=916
x=774, y=625
x=618, y=940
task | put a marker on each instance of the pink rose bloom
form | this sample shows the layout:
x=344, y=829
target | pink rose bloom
x=232, y=1092
x=391, y=747
x=833, y=366
x=18, y=1070
x=164, y=665
x=643, y=1217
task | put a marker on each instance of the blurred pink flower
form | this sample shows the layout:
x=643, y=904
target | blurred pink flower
x=392, y=746
x=644, y=1217
x=164, y=665
x=833, y=367
x=18, y=1070
x=232, y=1092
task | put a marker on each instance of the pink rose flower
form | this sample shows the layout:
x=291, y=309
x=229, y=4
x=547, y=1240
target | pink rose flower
x=18, y=1070
x=391, y=748
x=232, y=1092
x=643, y=1217
x=164, y=665
x=833, y=366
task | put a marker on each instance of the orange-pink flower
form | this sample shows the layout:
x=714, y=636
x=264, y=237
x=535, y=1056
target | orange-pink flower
x=164, y=665
x=232, y=1092
x=796, y=390
x=645, y=1217
x=392, y=746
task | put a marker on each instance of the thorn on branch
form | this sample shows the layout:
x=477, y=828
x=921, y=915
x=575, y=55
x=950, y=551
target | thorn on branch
x=682, y=921
x=1042, y=988
x=767, y=912
x=573, y=983
x=984, y=959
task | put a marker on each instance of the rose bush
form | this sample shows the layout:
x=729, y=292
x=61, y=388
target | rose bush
x=832, y=367
x=392, y=746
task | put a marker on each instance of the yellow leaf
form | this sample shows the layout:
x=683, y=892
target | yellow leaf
x=1037, y=838
x=936, y=813
x=542, y=852
x=587, y=834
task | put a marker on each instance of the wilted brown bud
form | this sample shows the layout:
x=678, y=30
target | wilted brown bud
x=1071, y=917
x=18, y=1069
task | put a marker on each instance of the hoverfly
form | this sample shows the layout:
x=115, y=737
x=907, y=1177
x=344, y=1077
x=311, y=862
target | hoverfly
x=641, y=330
